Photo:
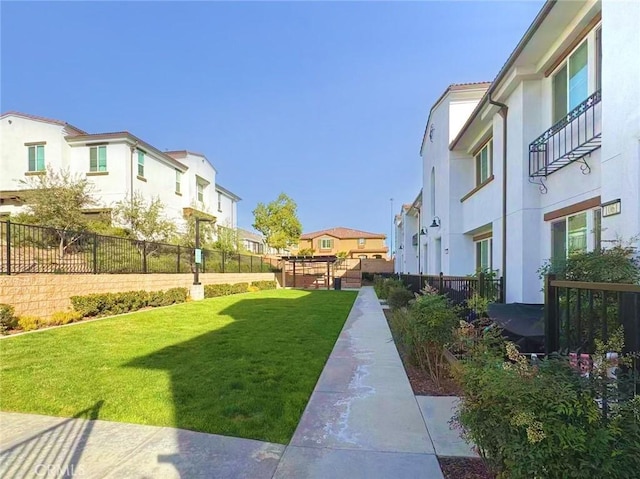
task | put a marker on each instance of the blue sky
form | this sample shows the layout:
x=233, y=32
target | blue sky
x=325, y=101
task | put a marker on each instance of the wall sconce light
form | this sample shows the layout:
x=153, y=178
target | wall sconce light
x=435, y=223
x=423, y=231
x=401, y=247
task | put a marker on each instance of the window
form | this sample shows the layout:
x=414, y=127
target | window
x=598, y=58
x=200, y=189
x=178, y=181
x=571, y=83
x=361, y=242
x=569, y=235
x=36, y=158
x=484, y=254
x=484, y=163
x=141, y=163
x=219, y=201
x=326, y=243
x=98, y=158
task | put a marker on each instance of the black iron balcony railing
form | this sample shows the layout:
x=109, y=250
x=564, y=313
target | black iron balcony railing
x=572, y=138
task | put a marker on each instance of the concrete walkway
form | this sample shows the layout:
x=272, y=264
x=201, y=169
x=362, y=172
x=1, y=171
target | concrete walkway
x=362, y=421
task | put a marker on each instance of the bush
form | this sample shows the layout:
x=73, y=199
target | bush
x=64, y=317
x=382, y=286
x=238, y=288
x=8, y=319
x=175, y=296
x=29, y=323
x=543, y=420
x=261, y=285
x=215, y=290
x=399, y=297
x=118, y=303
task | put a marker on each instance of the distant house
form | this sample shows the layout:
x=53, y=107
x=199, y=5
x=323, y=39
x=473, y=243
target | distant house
x=116, y=163
x=250, y=241
x=355, y=243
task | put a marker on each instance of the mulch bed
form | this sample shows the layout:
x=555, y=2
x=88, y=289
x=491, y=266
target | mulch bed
x=422, y=385
x=464, y=468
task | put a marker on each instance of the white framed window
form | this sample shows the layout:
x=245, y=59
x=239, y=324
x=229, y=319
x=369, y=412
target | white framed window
x=326, y=243
x=484, y=163
x=178, y=181
x=361, y=242
x=98, y=158
x=200, y=191
x=484, y=254
x=571, y=82
x=141, y=163
x=219, y=201
x=35, y=155
x=575, y=234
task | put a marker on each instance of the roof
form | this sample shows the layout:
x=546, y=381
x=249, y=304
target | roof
x=343, y=233
x=133, y=139
x=182, y=153
x=45, y=120
x=449, y=89
x=250, y=235
x=225, y=191
x=542, y=14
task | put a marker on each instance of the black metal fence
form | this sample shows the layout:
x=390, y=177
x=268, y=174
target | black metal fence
x=457, y=288
x=578, y=313
x=36, y=249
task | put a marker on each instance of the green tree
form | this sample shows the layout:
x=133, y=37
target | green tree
x=278, y=222
x=57, y=199
x=227, y=240
x=146, y=221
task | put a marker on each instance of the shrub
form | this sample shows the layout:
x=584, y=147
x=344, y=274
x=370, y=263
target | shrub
x=261, y=285
x=382, y=286
x=8, y=319
x=29, y=323
x=90, y=304
x=175, y=296
x=215, y=290
x=543, y=420
x=399, y=297
x=64, y=317
x=238, y=288
x=118, y=303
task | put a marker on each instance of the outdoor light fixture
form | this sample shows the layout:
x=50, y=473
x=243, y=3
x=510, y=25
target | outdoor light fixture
x=423, y=231
x=401, y=247
x=435, y=223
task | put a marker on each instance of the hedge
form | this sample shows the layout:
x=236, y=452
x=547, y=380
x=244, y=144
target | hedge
x=216, y=290
x=101, y=304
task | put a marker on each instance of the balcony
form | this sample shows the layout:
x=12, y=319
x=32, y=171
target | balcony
x=569, y=140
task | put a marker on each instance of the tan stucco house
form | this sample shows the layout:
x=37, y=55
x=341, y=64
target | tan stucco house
x=357, y=244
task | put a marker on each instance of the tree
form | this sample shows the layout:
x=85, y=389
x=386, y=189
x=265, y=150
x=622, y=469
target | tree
x=278, y=222
x=57, y=199
x=228, y=240
x=146, y=221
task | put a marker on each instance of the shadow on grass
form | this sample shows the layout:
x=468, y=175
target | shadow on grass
x=253, y=377
x=52, y=452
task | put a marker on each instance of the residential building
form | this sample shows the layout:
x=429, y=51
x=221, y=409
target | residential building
x=252, y=242
x=545, y=165
x=117, y=164
x=407, y=258
x=355, y=243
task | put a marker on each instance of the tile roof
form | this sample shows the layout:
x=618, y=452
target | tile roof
x=43, y=119
x=343, y=233
x=182, y=153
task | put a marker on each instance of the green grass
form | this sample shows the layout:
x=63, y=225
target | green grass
x=242, y=365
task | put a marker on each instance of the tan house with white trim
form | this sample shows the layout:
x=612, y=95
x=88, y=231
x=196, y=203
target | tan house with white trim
x=356, y=243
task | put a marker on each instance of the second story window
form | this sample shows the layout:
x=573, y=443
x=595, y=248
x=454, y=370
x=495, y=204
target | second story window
x=36, y=157
x=200, y=191
x=97, y=158
x=571, y=83
x=141, y=163
x=484, y=163
x=326, y=243
x=178, y=181
x=219, y=201
x=361, y=242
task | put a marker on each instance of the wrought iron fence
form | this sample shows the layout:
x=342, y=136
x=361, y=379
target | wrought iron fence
x=37, y=249
x=458, y=289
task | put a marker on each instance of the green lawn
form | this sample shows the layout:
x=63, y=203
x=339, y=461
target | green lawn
x=242, y=365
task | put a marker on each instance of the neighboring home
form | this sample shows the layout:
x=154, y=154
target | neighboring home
x=355, y=243
x=116, y=163
x=250, y=241
x=407, y=257
x=545, y=165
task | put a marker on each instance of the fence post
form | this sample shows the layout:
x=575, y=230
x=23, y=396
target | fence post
x=551, y=324
x=251, y=263
x=144, y=257
x=223, y=260
x=440, y=283
x=8, y=238
x=501, y=298
x=178, y=268
x=481, y=284
x=95, y=253
x=629, y=318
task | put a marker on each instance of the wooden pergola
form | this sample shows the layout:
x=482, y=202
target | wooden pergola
x=310, y=268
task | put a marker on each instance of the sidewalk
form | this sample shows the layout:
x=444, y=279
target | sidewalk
x=362, y=421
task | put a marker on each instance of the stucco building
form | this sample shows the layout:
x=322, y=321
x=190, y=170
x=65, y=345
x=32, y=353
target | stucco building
x=355, y=243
